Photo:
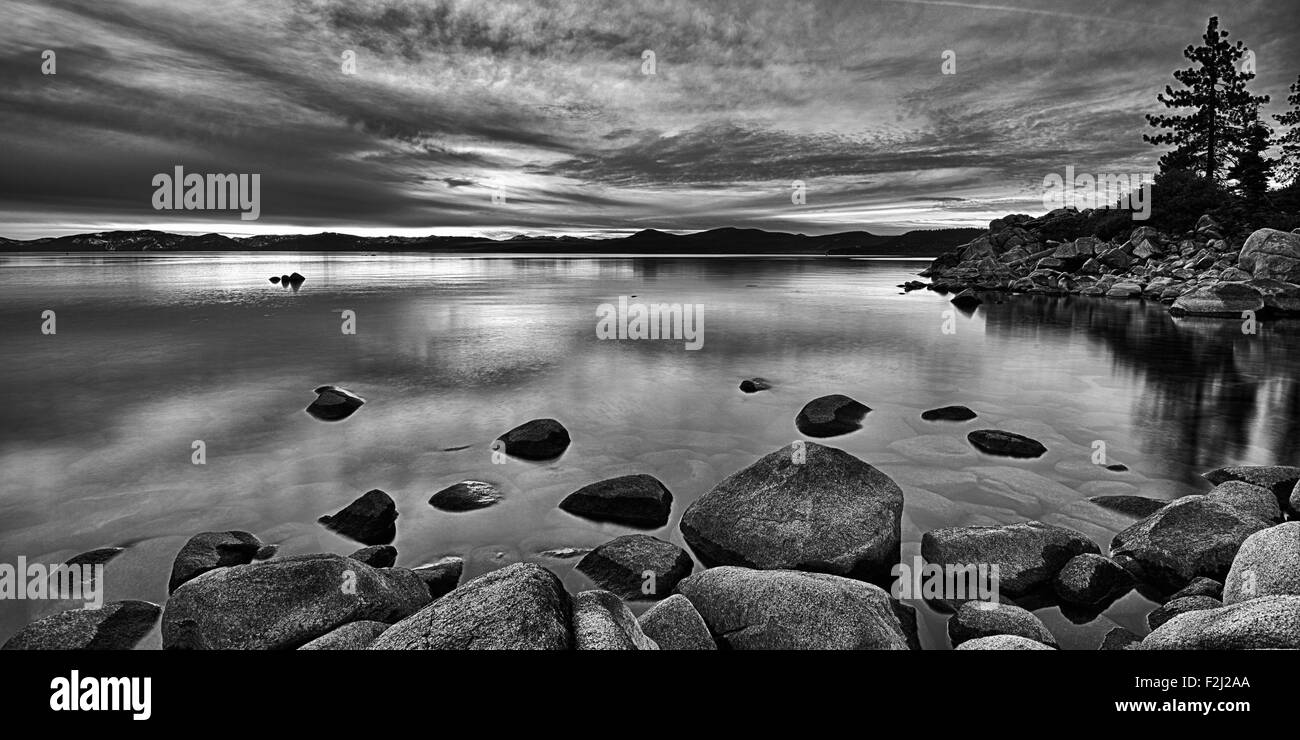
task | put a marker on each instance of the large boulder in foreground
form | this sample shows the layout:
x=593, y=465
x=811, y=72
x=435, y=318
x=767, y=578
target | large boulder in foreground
x=333, y=403
x=977, y=619
x=1193, y=536
x=803, y=507
x=1006, y=444
x=674, y=624
x=637, y=566
x=830, y=416
x=1225, y=300
x=1269, y=622
x=1028, y=555
x=207, y=551
x=370, y=520
x=1269, y=253
x=117, y=625
x=539, y=439
x=351, y=636
x=285, y=603
x=635, y=500
x=789, y=610
x=601, y=621
x=1003, y=642
x=519, y=607
x=1268, y=564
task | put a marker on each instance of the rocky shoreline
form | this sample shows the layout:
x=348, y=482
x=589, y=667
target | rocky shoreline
x=1197, y=273
x=798, y=551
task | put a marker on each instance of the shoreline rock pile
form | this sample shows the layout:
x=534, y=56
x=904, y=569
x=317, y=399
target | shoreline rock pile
x=1199, y=273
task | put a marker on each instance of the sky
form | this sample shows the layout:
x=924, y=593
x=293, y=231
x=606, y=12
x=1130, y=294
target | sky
x=549, y=106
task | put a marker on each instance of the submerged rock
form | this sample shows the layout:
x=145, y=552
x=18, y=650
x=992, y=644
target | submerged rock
x=370, y=520
x=519, y=607
x=351, y=636
x=966, y=300
x=601, y=621
x=285, y=603
x=949, y=413
x=466, y=496
x=334, y=404
x=1028, y=555
x=674, y=624
x=754, y=385
x=789, y=610
x=539, y=439
x=830, y=416
x=117, y=625
x=1269, y=622
x=1007, y=444
x=975, y=619
x=1268, y=564
x=98, y=556
x=622, y=564
x=1193, y=536
x=636, y=500
x=803, y=507
x=211, y=550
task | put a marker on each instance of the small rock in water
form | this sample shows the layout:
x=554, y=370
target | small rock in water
x=466, y=496
x=1280, y=479
x=1006, y=444
x=1091, y=580
x=1200, y=586
x=117, y=625
x=275, y=279
x=296, y=279
x=284, y=279
x=831, y=416
x=443, y=576
x=1138, y=506
x=637, y=566
x=674, y=624
x=334, y=404
x=564, y=553
x=98, y=556
x=966, y=300
x=1028, y=554
x=949, y=413
x=539, y=439
x=1119, y=639
x=1117, y=468
x=370, y=520
x=976, y=619
x=636, y=500
x=1181, y=605
x=1193, y=536
x=601, y=621
x=211, y=550
x=376, y=556
x=754, y=385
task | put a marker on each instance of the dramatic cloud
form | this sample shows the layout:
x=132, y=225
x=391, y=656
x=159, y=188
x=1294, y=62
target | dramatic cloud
x=544, y=105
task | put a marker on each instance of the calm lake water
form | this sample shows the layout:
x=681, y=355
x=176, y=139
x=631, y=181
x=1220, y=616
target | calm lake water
x=155, y=352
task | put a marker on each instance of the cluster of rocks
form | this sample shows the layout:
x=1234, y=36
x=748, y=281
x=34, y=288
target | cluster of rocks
x=1200, y=272
x=797, y=551
x=292, y=280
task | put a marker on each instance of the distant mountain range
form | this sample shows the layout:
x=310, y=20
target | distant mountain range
x=650, y=241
